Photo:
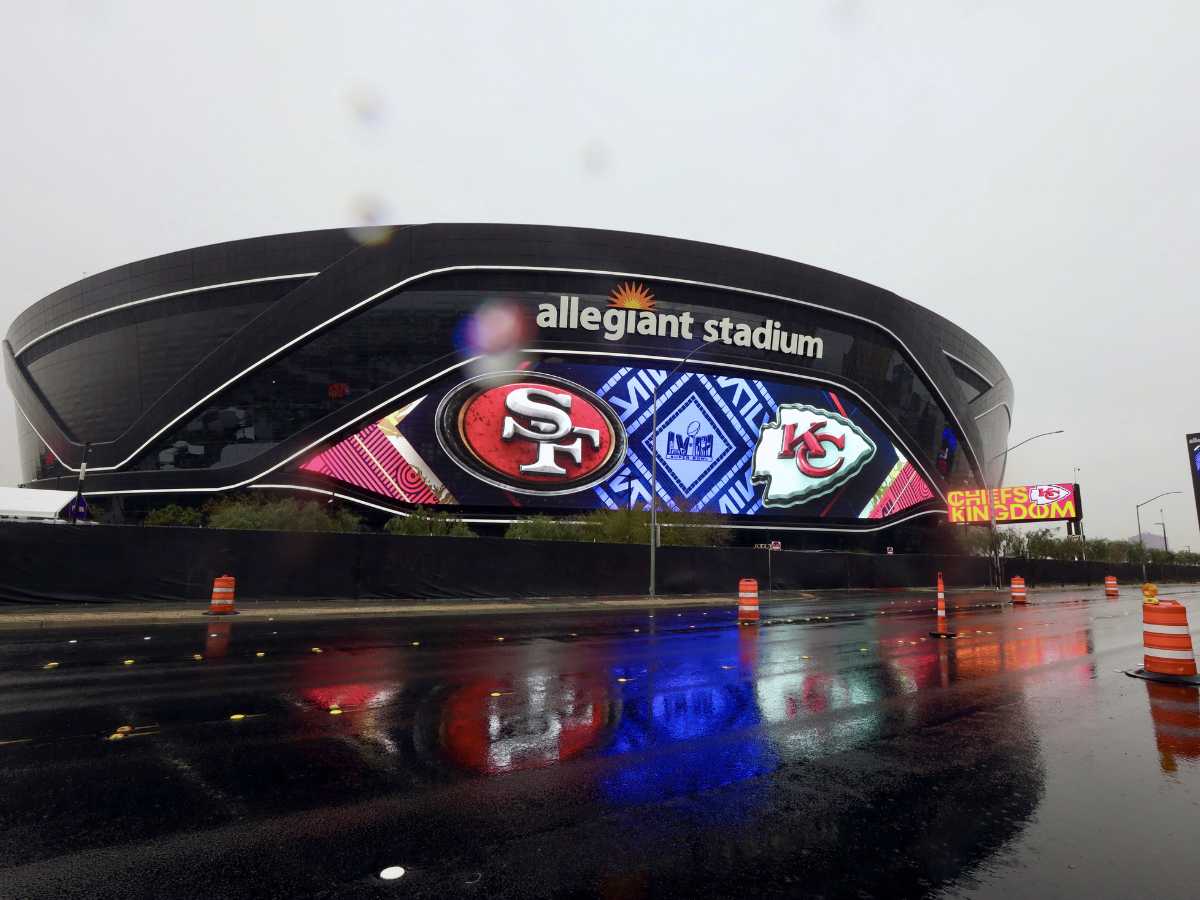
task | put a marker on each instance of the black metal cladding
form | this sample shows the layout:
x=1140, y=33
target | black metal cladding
x=132, y=356
x=210, y=349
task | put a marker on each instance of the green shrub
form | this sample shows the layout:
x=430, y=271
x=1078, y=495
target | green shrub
x=424, y=523
x=617, y=526
x=693, y=529
x=174, y=514
x=624, y=526
x=544, y=528
x=286, y=514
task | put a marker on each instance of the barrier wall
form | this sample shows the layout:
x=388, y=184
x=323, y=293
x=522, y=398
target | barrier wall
x=113, y=563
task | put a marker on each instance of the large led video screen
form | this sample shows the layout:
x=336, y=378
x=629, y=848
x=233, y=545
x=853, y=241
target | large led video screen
x=580, y=436
x=1026, y=503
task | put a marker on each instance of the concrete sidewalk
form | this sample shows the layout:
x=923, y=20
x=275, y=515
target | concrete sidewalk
x=69, y=615
x=22, y=617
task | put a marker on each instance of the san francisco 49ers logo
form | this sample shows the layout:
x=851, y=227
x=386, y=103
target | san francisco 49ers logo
x=807, y=452
x=530, y=433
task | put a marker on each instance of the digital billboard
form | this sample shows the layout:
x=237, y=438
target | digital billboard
x=562, y=435
x=1193, y=442
x=1027, y=503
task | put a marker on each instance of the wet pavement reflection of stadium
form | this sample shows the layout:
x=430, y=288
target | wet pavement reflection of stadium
x=835, y=750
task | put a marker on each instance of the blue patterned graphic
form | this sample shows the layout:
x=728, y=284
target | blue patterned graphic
x=707, y=429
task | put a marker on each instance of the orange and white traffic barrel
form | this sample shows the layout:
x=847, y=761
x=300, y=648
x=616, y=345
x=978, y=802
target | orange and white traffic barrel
x=1166, y=641
x=748, y=601
x=1018, y=589
x=224, y=597
x=943, y=628
x=1110, y=587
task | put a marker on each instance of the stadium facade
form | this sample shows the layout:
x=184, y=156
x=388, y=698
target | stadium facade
x=499, y=370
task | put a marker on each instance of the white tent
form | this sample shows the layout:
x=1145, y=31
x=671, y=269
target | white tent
x=27, y=503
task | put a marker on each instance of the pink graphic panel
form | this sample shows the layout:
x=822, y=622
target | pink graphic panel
x=371, y=461
x=906, y=488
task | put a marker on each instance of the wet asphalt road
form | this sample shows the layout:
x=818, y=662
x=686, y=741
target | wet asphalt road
x=837, y=752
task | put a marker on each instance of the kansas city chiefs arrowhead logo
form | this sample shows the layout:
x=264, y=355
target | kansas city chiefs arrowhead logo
x=807, y=452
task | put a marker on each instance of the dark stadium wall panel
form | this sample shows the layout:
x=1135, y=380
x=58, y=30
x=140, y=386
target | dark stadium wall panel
x=133, y=356
x=251, y=258
x=350, y=273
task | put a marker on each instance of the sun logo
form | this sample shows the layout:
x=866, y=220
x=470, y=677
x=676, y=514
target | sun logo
x=631, y=296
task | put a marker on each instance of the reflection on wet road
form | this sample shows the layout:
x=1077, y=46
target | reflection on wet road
x=836, y=750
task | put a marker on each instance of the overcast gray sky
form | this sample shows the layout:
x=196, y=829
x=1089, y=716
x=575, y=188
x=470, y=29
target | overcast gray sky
x=1027, y=169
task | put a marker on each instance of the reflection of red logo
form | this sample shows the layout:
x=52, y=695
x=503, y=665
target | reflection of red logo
x=491, y=726
x=338, y=390
x=530, y=433
x=811, y=440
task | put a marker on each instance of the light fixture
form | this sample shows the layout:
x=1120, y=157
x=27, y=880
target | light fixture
x=391, y=873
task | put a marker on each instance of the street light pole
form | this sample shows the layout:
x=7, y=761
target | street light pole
x=1138, y=512
x=1082, y=539
x=1163, y=524
x=997, y=574
x=654, y=466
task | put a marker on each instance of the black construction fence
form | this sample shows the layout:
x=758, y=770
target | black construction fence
x=44, y=563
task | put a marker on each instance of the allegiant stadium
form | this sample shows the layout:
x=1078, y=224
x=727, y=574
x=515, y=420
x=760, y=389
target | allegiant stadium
x=498, y=371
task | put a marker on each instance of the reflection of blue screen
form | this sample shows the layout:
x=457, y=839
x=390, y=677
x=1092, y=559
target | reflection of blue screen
x=684, y=731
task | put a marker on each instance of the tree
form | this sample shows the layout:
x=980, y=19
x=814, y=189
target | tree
x=1041, y=544
x=1012, y=543
x=544, y=528
x=625, y=526
x=693, y=529
x=1161, y=557
x=617, y=526
x=972, y=540
x=424, y=523
x=174, y=514
x=286, y=514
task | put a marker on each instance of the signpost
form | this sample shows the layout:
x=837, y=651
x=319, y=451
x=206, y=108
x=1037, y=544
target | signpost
x=772, y=547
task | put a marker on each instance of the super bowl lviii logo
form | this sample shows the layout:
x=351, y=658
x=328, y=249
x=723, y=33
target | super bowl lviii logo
x=530, y=433
x=806, y=452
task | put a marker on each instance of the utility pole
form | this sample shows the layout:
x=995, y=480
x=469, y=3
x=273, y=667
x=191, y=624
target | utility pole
x=1138, y=512
x=654, y=467
x=993, y=535
x=1082, y=539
